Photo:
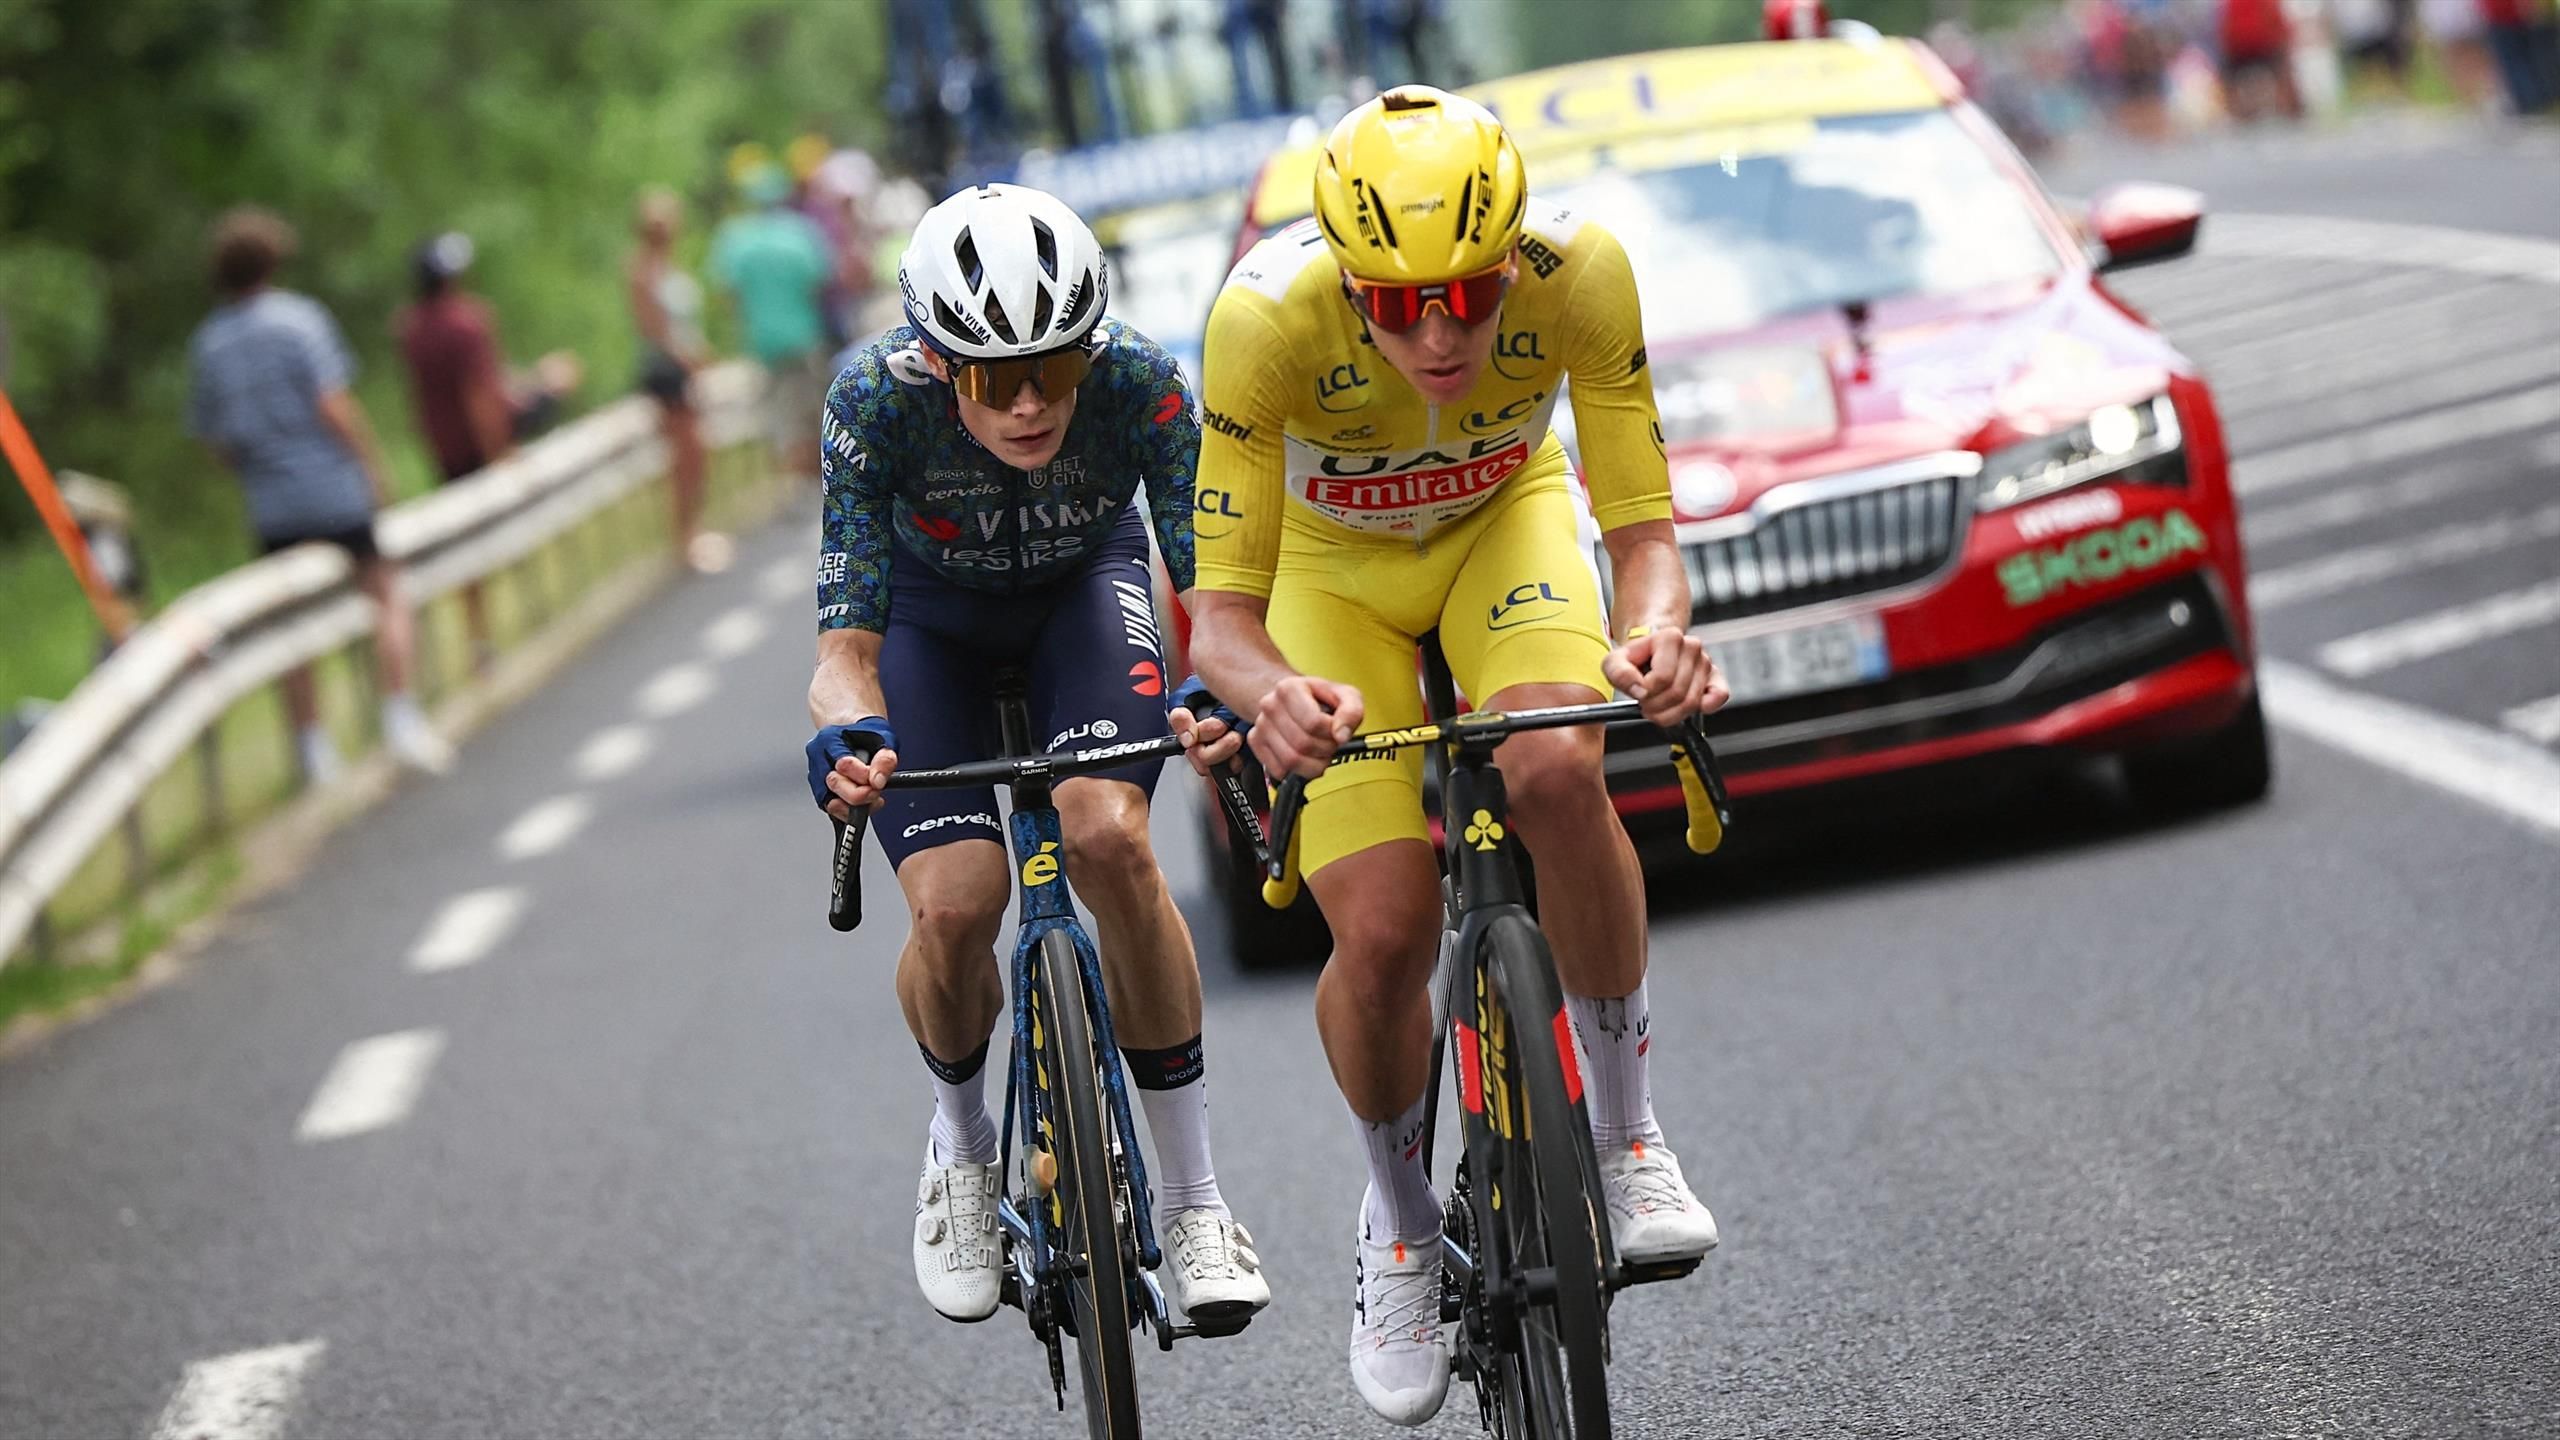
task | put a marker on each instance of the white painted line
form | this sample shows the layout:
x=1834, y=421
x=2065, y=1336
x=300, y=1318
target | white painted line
x=2361, y=502
x=2398, y=440
x=2477, y=763
x=733, y=634
x=2382, y=355
x=2365, y=564
x=2449, y=629
x=245, y=1396
x=468, y=927
x=2538, y=720
x=375, y=1083
x=2323, y=237
x=612, y=753
x=2245, y=314
x=545, y=827
x=2422, y=388
x=792, y=577
x=676, y=689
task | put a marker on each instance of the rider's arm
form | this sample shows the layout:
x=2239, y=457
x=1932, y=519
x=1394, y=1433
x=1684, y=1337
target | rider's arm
x=1619, y=430
x=1169, y=457
x=853, y=564
x=1298, y=717
x=1654, y=659
x=846, y=686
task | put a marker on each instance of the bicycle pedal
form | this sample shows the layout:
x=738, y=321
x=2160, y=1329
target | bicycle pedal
x=1632, y=1272
x=1213, y=1327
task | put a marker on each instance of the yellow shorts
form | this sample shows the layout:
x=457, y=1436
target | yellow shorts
x=1515, y=600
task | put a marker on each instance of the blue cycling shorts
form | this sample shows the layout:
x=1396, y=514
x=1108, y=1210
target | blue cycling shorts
x=1087, y=645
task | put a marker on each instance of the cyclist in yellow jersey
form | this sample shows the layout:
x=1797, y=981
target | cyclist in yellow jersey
x=1379, y=382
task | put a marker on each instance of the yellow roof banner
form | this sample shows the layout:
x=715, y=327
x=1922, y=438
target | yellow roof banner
x=1650, y=110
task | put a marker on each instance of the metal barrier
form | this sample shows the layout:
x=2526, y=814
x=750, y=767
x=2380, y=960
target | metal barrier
x=81, y=775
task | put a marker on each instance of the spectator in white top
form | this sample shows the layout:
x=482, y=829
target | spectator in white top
x=270, y=396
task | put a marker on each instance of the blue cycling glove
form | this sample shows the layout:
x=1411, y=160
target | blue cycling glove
x=859, y=741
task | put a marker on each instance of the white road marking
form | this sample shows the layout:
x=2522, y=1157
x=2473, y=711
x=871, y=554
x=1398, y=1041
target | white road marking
x=243, y=1396
x=676, y=689
x=545, y=827
x=790, y=578
x=2537, y=720
x=2454, y=628
x=2397, y=440
x=2359, y=502
x=2409, y=393
x=2364, y=564
x=2323, y=237
x=468, y=927
x=375, y=1083
x=2246, y=314
x=613, y=753
x=734, y=633
x=2454, y=310
x=2383, y=355
x=2480, y=764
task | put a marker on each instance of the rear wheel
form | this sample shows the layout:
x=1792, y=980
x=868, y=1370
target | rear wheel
x=1083, y=1209
x=1555, y=1380
x=2227, y=768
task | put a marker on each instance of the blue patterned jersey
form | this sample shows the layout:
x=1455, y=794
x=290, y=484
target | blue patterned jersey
x=906, y=484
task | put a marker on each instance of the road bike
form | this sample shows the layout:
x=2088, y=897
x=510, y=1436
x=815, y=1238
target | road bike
x=1077, y=1221
x=1528, y=1267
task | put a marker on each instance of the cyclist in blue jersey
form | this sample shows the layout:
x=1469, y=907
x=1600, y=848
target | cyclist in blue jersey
x=982, y=464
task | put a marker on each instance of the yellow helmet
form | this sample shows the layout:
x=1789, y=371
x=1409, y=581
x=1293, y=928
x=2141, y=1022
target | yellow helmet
x=1420, y=186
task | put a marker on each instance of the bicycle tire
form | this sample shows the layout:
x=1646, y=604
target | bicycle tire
x=1555, y=1380
x=1097, y=1288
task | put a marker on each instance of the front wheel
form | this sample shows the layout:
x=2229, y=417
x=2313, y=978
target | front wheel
x=1092, y=1255
x=1543, y=1200
x=2227, y=768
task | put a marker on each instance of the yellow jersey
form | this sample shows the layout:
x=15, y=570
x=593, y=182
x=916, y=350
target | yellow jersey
x=1306, y=426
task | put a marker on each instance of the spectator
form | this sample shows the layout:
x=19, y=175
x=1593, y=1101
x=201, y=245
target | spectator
x=270, y=396
x=774, y=265
x=666, y=305
x=457, y=384
x=2455, y=28
x=2519, y=34
x=2257, y=60
x=104, y=514
x=2373, y=38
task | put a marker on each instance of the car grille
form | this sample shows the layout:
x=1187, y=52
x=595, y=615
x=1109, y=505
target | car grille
x=1798, y=554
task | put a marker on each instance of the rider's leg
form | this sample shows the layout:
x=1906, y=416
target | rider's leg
x=1373, y=1009
x=949, y=985
x=1151, y=973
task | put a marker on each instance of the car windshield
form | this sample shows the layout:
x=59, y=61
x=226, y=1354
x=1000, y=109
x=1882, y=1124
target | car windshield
x=1747, y=225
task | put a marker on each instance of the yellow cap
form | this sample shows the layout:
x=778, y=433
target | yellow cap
x=1420, y=186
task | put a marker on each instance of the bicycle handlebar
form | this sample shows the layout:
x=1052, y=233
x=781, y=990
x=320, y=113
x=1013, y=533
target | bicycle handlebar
x=1702, y=791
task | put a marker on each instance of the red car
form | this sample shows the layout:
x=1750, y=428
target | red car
x=1941, y=495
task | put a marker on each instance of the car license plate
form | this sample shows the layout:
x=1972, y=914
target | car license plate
x=1796, y=662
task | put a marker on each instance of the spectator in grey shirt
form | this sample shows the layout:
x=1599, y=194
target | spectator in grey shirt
x=270, y=396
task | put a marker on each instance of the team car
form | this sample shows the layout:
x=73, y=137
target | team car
x=1940, y=494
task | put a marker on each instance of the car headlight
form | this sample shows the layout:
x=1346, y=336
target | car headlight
x=2140, y=443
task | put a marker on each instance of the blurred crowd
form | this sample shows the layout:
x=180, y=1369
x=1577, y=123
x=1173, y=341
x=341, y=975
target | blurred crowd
x=800, y=256
x=2156, y=69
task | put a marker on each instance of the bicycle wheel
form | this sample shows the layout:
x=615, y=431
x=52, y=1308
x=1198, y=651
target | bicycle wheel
x=1083, y=1206
x=1555, y=1383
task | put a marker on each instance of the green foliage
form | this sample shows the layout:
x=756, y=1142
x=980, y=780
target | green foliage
x=127, y=126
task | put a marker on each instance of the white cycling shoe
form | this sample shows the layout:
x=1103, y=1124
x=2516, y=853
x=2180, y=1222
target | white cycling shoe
x=1210, y=1266
x=1399, y=1352
x=959, y=1262
x=1653, y=1214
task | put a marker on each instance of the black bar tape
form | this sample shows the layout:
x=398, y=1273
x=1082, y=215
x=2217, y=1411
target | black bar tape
x=958, y=1071
x=1168, y=1069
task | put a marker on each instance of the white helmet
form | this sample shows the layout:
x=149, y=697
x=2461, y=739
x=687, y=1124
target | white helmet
x=997, y=272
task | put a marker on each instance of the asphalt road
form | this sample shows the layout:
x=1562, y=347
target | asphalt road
x=2023, y=1116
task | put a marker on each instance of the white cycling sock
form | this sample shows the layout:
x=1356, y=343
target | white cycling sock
x=962, y=1128
x=1615, y=1088
x=1173, y=1088
x=1400, y=1205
